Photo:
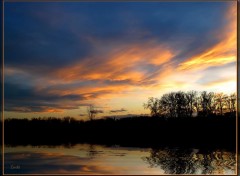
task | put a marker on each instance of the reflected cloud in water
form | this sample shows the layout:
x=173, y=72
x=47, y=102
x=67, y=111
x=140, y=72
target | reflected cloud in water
x=80, y=159
x=47, y=163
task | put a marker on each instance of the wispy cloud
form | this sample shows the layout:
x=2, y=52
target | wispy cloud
x=118, y=110
x=97, y=111
x=126, y=63
x=221, y=82
x=223, y=52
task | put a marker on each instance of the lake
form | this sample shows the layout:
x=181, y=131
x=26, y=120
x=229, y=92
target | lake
x=100, y=159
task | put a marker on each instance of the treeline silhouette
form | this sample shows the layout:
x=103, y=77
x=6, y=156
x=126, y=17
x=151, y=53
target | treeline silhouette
x=214, y=131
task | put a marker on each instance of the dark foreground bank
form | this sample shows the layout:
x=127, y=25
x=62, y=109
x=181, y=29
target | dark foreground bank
x=204, y=132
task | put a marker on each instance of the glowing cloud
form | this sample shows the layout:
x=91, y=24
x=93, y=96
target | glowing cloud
x=126, y=63
x=222, y=53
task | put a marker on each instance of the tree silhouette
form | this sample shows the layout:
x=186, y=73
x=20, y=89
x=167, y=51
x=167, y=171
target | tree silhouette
x=191, y=100
x=206, y=103
x=220, y=102
x=154, y=105
x=233, y=98
x=181, y=104
x=91, y=112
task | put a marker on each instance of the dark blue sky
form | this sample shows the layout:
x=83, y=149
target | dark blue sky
x=55, y=34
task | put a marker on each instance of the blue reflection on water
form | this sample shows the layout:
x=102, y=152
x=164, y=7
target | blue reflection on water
x=96, y=159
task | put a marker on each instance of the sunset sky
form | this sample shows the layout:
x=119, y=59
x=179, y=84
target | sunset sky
x=60, y=57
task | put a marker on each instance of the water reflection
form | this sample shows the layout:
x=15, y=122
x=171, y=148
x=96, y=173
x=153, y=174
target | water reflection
x=77, y=159
x=45, y=163
x=96, y=159
x=192, y=161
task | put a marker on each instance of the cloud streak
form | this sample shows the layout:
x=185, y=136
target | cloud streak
x=118, y=110
x=223, y=52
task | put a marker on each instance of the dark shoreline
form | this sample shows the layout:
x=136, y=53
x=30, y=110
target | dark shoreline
x=213, y=132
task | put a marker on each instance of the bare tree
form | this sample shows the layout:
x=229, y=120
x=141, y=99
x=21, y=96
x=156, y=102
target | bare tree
x=181, y=104
x=210, y=103
x=91, y=112
x=220, y=98
x=197, y=104
x=191, y=100
x=206, y=102
x=169, y=104
x=227, y=100
x=153, y=105
x=233, y=98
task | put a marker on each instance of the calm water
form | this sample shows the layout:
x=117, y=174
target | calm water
x=96, y=159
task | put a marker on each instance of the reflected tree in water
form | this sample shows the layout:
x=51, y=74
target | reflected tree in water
x=91, y=151
x=172, y=161
x=189, y=161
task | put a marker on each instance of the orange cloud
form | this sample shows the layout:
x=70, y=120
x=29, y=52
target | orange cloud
x=115, y=74
x=41, y=109
x=88, y=91
x=122, y=64
x=222, y=53
x=53, y=110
